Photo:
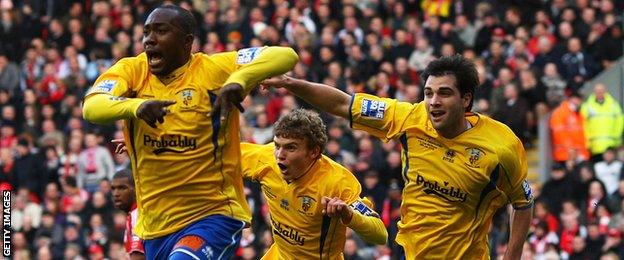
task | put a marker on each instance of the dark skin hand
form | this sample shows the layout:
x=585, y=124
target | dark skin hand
x=153, y=111
x=231, y=95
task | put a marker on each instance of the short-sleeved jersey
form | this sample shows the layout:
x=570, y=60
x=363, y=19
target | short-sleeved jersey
x=300, y=229
x=452, y=186
x=188, y=167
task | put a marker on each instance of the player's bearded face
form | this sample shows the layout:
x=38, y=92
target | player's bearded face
x=445, y=105
x=294, y=158
x=164, y=42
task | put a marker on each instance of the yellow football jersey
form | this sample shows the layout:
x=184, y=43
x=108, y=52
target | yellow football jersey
x=300, y=229
x=188, y=167
x=452, y=186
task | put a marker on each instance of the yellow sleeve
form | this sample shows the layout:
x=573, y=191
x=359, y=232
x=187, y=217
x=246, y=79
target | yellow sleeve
x=259, y=63
x=109, y=98
x=366, y=222
x=254, y=159
x=381, y=117
x=514, y=181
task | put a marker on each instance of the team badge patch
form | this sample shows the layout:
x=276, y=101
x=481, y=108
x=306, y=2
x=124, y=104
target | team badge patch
x=106, y=85
x=363, y=209
x=528, y=192
x=474, y=157
x=373, y=108
x=307, y=205
x=247, y=55
x=187, y=98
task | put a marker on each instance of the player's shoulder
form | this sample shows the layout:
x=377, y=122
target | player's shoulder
x=137, y=60
x=492, y=126
x=497, y=133
x=264, y=152
x=336, y=175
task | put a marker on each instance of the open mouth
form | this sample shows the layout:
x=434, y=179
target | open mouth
x=282, y=167
x=437, y=115
x=154, y=58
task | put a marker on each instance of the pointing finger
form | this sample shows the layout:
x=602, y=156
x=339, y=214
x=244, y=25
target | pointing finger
x=167, y=103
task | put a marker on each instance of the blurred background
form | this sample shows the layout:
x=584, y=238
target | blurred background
x=551, y=70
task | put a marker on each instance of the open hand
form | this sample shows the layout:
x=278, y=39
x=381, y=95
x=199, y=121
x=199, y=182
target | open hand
x=334, y=207
x=231, y=95
x=152, y=111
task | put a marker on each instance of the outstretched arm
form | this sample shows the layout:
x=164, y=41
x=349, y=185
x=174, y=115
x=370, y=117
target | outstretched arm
x=257, y=65
x=324, y=97
x=520, y=221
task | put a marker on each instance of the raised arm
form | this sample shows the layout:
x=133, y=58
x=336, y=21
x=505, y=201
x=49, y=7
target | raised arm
x=324, y=97
x=257, y=65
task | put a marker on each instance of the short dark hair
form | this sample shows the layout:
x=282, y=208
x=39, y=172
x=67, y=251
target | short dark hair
x=303, y=124
x=125, y=173
x=465, y=72
x=184, y=18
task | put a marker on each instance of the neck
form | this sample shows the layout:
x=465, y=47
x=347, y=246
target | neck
x=175, y=74
x=304, y=173
x=464, y=125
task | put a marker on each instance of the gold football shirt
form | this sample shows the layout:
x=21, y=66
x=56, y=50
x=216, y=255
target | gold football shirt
x=300, y=229
x=452, y=186
x=188, y=167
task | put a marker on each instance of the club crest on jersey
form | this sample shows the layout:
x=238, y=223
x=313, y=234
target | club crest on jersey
x=247, y=55
x=474, y=157
x=187, y=98
x=106, y=85
x=373, y=108
x=307, y=203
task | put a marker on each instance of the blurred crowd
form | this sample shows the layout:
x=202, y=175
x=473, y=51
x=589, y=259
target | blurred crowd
x=532, y=58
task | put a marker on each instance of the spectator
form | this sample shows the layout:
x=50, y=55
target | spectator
x=608, y=170
x=603, y=121
x=555, y=85
x=28, y=169
x=579, y=249
x=421, y=56
x=567, y=130
x=557, y=189
x=514, y=112
x=596, y=196
x=615, y=199
x=9, y=75
x=95, y=163
x=577, y=66
x=594, y=240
